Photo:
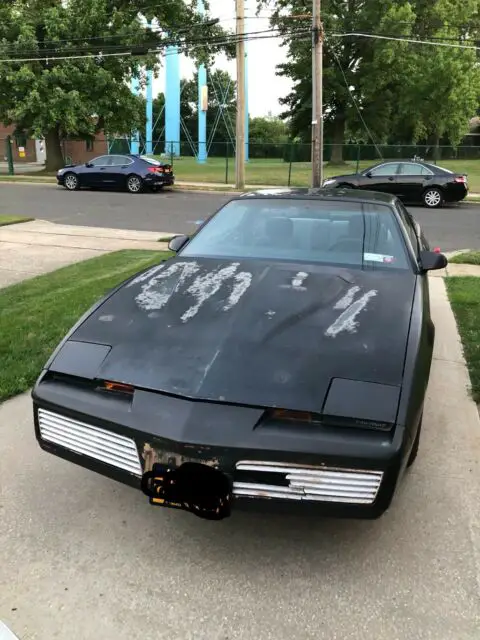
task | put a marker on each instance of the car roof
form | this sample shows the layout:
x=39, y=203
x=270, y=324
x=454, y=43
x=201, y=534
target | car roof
x=424, y=163
x=337, y=195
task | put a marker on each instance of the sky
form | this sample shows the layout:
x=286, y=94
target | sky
x=264, y=87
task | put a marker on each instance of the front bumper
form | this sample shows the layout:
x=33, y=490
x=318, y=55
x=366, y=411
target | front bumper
x=357, y=481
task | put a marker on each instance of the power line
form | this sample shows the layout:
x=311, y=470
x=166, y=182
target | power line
x=152, y=45
x=405, y=39
x=355, y=101
x=182, y=46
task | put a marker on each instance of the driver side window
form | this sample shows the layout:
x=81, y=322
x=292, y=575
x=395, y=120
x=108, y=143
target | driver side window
x=389, y=169
x=102, y=161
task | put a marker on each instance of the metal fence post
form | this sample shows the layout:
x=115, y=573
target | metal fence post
x=171, y=153
x=226, y=164
x=8, y=150
x=358, y=158
x=290, y=165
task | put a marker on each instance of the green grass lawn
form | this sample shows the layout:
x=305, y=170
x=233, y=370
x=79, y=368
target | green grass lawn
x=276, y=172
x=464, y=294
x=36, y=314
x=4, y=220
x=469, y=257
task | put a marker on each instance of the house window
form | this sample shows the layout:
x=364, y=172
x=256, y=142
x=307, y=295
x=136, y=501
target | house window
x=89, y=144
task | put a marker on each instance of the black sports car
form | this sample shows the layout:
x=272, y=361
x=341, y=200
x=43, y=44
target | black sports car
x=133, y=173
x=413, y=181
x=285, y=349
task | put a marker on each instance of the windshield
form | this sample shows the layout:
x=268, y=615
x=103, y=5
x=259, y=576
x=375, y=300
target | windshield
x=328, y=232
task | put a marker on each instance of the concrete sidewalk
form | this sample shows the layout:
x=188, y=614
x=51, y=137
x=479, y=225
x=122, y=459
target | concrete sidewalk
x=82, y=552
x=32, y=248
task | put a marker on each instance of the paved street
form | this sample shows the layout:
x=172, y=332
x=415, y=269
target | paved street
x=169, y=211
x=86, y=558
x=450, y=228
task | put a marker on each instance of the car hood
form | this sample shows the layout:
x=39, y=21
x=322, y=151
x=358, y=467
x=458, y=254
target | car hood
x=350, y=176
x=251, y=332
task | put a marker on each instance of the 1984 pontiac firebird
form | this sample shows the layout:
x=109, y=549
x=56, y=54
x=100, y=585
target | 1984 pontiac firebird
x=286, y=347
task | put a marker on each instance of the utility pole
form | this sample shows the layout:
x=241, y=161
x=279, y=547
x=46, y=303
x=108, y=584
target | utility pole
x=317, y=97
x=240, y=129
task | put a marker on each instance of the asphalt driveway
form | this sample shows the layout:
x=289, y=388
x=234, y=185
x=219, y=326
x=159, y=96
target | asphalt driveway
x=83, y=557
x=174, y=211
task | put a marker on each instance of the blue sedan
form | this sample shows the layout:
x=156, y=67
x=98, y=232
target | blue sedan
x=133, y=173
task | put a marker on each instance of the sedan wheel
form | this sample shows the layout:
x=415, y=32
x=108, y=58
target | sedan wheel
x=70, y=182
x=433, y=198
x=134, y=184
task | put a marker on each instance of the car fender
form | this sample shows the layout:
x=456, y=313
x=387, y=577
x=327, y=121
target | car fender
x=417, y=365
x=85, y=317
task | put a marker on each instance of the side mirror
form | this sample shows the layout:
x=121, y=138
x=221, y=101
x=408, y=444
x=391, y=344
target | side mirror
x=89, y=165
x=177, y=242
x=368, y=174
x=432, y=261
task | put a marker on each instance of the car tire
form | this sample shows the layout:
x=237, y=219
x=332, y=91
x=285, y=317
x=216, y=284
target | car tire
x=71, y=182
x=416, y=444
x=134, y=183
x=433, y=198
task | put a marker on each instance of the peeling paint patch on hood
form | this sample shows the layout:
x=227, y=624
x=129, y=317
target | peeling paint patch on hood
x=347, y=321
x=157, y=290
x=206, y=286
x=347, y=299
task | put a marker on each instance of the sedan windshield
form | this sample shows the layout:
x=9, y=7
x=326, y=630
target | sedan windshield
x=303, y=230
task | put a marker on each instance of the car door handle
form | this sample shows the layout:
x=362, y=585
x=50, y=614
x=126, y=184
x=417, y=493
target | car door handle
x=102, y=168
x=391, y=179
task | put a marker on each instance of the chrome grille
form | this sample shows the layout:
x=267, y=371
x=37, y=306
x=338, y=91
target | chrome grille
x=100, y=444
x=309, y=483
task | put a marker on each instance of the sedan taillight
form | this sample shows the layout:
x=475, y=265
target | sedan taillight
x=155, y=169
x=461, y=179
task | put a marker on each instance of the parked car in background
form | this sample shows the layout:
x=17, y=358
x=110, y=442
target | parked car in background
x=130, y=172
x=284, y=352
x=413, y=181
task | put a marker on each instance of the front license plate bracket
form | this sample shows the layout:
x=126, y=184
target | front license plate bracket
x=200, y=489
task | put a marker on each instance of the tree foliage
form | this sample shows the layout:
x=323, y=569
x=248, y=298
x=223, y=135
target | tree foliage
x=81, y=95
x=374, y=86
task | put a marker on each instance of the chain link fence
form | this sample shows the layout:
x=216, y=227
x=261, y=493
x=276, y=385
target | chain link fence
x=277, y=164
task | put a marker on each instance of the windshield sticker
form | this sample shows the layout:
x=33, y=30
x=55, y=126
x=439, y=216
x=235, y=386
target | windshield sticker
x=378, y=257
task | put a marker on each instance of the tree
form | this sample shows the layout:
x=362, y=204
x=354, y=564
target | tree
x=357, y=77
x=443, y=94
x=372, y=86
x=267, y=131
x=80, y=96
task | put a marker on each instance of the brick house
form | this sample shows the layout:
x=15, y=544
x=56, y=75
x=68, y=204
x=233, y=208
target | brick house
x=78, y=151
x=18, y=141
